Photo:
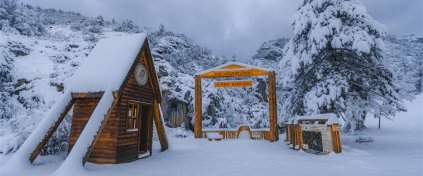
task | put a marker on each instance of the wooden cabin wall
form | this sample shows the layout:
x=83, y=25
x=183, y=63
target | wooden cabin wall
x=127, y=141
x=104, y=152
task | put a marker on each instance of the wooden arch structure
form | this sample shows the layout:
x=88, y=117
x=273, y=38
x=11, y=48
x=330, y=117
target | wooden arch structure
x=234, y=69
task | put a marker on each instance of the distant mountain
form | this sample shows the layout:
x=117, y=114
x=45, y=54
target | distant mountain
x=270, y=53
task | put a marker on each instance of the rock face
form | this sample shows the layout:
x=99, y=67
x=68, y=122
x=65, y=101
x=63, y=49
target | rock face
x=175, y=112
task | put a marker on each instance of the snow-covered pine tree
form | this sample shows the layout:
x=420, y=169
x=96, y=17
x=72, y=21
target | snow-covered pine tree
x=99, y=20
x=334, y=63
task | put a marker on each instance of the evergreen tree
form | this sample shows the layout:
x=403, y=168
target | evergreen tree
x=162, y=29
x=334, y=63
x=99, y=20
x=127, y=26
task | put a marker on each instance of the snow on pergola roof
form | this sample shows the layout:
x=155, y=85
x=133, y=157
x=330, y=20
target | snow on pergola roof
x=107, y=65
x=227, y=67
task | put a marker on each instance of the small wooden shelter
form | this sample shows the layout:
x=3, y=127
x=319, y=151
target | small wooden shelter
x=231, y=70
x=317, y=133
x=115, y=98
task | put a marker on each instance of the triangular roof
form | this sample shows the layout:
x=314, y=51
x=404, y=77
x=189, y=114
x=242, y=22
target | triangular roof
x=248, y=70
x=110, y=63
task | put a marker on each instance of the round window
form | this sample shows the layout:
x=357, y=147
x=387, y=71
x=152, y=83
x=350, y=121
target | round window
x=141, y=74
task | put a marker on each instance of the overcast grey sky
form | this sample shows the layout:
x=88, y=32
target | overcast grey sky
x=231, y=27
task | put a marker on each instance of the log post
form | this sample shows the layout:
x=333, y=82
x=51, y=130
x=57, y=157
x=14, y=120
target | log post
x=198, y=108
x=160, y=127
x=273, y=119
x=50, y=132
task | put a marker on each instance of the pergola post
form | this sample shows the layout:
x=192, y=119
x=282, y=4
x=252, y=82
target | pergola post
x=198, y=108
x=273, y=119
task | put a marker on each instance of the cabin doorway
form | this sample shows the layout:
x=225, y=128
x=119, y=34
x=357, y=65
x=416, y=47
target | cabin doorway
x=145, y=125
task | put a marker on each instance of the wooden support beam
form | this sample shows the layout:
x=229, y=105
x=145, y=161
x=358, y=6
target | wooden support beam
x=50, y=132
x=336, y=140
x=198, y=108
x=159, y=127
x=286, y=133
x=273, y=119
x=300, y=137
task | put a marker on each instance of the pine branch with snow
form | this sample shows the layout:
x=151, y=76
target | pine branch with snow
x=335, y=63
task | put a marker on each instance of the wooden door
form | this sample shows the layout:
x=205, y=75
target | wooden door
x=145, y=128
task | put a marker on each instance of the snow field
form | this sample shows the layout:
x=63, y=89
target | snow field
x=397, y=150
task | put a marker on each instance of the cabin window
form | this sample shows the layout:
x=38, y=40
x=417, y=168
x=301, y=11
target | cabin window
x=132, y=121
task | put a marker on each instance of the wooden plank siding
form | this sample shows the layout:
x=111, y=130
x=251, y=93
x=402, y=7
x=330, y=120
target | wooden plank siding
x=103, y=151
x=127, y=141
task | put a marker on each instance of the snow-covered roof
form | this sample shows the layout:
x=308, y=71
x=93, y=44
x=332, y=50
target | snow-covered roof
x=330, y=118
x=107, y=65
x=242, y=67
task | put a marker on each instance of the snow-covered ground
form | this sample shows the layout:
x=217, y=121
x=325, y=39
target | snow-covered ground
x=397, y=149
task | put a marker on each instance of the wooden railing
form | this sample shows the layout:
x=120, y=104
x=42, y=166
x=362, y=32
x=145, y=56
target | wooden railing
x=255, y=134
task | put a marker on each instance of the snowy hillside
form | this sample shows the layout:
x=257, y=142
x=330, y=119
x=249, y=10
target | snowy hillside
x=39, y=50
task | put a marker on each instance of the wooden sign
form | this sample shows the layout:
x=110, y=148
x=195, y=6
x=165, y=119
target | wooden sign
x=220, y=84
x=234, y=73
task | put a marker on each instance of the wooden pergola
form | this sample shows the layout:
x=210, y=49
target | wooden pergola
x=234, y=69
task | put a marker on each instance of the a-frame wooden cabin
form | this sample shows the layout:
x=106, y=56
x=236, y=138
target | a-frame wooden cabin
x=115, y=97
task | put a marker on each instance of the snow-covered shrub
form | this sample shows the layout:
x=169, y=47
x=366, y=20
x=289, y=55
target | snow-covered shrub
x=6, y=88
x=95, y=29
x=127, y=26
x=335, y=63
x=91, y=38
x=23, y=18
x=99, y=21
